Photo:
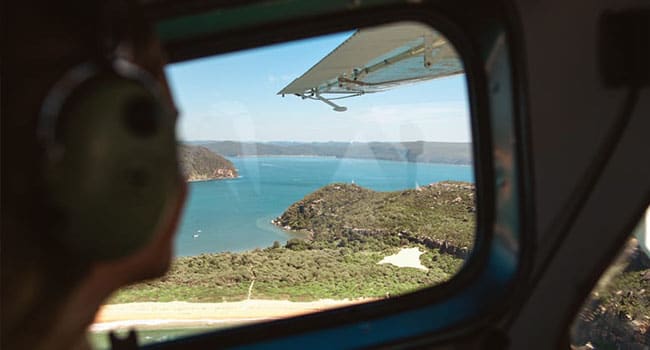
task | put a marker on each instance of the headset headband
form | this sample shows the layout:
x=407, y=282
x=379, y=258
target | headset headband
x=65, y=87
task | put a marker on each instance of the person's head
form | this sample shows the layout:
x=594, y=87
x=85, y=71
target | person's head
x=77, y=160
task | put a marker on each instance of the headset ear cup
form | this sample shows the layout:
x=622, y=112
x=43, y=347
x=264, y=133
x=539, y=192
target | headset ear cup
x=117, y=168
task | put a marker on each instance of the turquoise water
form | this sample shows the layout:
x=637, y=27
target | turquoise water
x=235, y=215
x=100, y=340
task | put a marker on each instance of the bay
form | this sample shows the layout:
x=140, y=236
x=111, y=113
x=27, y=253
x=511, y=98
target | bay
x=235, y=214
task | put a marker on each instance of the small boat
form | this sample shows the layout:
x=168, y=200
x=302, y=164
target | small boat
x=196, y=235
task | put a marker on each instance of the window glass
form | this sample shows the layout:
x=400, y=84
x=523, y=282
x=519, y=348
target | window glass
x=617, y=313
x=323, y=173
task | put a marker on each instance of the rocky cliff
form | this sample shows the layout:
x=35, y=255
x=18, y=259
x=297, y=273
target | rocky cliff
x=200, y=164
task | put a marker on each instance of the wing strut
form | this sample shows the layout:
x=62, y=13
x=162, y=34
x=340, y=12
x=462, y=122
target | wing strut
x=332, y=104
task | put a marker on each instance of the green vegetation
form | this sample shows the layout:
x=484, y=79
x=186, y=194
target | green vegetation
x=200, y=163
x=285, y=273
x=629, y=295
x=417, y=151
x=350, y=230
x=440, y=214
x=618, y=312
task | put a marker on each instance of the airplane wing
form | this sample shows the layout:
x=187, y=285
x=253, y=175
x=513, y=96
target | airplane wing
x=377, y=59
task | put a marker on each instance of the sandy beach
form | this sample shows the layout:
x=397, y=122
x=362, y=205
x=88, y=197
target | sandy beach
x=185, y=314
x=406, y=257
x=178, y=314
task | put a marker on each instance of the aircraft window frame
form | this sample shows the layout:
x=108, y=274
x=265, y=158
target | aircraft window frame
x=501, y=251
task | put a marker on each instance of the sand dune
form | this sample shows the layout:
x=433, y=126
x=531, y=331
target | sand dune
x=406, y=257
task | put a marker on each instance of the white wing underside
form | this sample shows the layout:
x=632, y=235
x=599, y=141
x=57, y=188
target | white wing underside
x=377, y=59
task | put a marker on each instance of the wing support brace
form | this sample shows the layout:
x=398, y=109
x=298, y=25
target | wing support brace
x=331, y=104
x=314, y=95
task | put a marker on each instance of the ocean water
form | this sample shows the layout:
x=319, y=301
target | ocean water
x=100, y=340
x=235, y=214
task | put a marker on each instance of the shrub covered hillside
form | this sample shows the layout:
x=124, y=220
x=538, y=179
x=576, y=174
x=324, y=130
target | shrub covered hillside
x=290, y=272
x=350, y=230
x=440, y=215
x=617, y=314
x=199, y=163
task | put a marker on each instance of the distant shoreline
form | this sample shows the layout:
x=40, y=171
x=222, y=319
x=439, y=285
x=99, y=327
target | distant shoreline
x=285, y=156
x=403, y=151
x=215, y=179
x=335, y=157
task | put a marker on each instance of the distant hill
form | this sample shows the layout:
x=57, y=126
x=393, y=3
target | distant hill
x=440, y=215
x=200, y=163
x=417, y=151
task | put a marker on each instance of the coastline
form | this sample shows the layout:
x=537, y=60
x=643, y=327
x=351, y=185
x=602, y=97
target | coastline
x=214, y=179
x=180, y=314
x=281, y=156
x=470, y=164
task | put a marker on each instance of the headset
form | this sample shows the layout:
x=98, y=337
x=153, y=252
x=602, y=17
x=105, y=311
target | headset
x=110, y=161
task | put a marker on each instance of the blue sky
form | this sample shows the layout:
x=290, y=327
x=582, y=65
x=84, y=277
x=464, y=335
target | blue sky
x=234, y=97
